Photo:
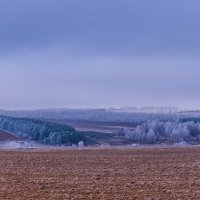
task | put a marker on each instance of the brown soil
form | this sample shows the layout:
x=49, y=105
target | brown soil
x=96, y=126
x=117, y=173
x=5, y=136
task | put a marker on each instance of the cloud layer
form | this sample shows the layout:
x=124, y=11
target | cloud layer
x=99, y=53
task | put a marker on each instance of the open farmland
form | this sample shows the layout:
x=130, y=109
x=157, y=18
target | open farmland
x=117, y=173
x=5, y=136
x=96, y=126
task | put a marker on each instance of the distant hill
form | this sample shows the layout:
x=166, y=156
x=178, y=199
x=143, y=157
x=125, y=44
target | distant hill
x=111, y=115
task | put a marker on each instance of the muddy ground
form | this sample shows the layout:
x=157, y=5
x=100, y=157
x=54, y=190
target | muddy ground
x=116, y=173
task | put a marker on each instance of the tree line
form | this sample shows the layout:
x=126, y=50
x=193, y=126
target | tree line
x=42, y=131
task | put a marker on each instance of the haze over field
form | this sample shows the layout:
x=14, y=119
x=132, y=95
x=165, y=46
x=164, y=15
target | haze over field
x=89, y=53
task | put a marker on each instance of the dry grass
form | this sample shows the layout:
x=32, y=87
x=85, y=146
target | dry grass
x=150, y=173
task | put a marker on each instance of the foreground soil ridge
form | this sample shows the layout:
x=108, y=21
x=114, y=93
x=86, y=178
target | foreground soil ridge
x=115, y=173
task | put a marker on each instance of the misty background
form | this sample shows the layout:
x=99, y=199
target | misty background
x=113, y=53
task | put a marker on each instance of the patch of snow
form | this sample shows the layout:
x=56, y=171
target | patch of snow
x=134, y=145
x=81, y=144
x=181, y=144
x=17, y=145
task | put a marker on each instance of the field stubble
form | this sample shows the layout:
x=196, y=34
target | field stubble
x=116, y=173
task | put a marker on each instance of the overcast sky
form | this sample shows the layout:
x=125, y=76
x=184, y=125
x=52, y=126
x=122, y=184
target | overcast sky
x=99, y=53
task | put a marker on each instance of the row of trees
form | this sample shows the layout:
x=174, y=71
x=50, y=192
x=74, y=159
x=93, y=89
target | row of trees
x=156, y=131
x=41, y=131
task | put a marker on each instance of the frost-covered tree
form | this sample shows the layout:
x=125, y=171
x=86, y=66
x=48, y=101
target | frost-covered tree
x=153, y=131
x=151, y=136
x=44, y=132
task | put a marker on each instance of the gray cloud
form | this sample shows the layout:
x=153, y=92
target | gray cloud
x=99, y=53
x=123, y=27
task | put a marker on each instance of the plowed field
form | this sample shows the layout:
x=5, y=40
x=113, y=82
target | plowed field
x=117, y=173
